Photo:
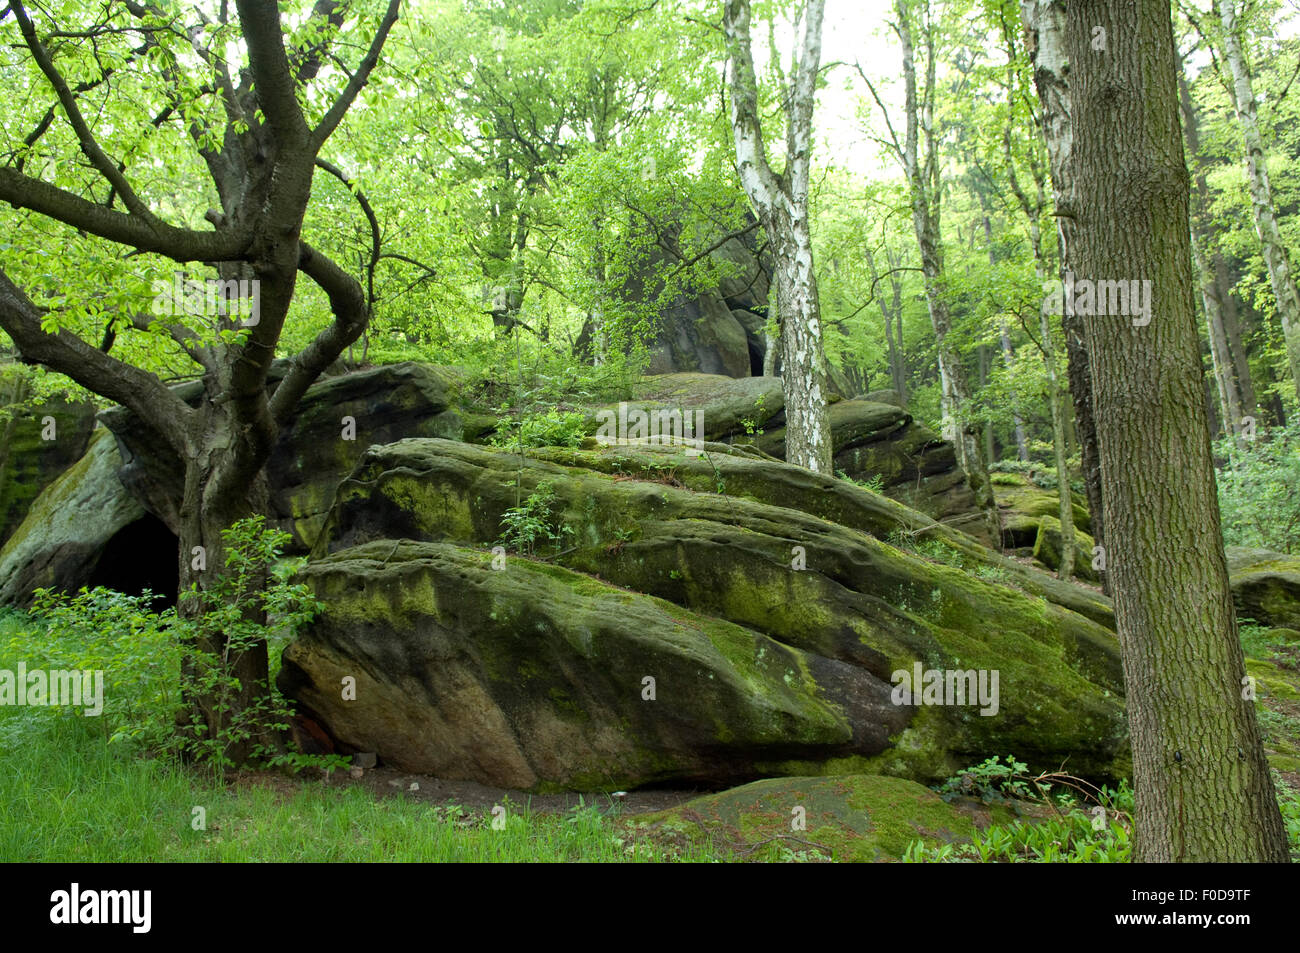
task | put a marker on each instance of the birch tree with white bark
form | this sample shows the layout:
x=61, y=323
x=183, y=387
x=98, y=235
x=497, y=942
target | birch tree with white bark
x=917, y=152
x=780, y=201
x=1271, y=245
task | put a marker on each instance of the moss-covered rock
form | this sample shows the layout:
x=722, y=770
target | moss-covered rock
x=1021, y=503
x=828, y=590
x=336, y=420
x=1265, y=586
x=1047, y=548
x=853, y=423
x=338, y=417
x=734, y=472
x=38, y=442
x=64, y=534
x=870, y=440
x=534, y=676
x=384, y=403
x=728, y=407
x=716, y=328
x=849, y=818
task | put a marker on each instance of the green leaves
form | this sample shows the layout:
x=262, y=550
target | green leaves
x=1096, y=828
x=121, y=635
x=524, y=526
x=152, y=659
x=1259, y=490
x=550, y=429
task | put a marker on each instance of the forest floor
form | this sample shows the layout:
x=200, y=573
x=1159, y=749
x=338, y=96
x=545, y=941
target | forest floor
x=72, y=795
x=481, y=798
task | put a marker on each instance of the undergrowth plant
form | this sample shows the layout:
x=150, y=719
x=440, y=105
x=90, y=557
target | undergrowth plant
x=1259, y=490
x=1087, y=824
x=99, y=630
x=552, y=428
x=876, y=484
x=149, y=663
x=531, y=523
x=252, y=602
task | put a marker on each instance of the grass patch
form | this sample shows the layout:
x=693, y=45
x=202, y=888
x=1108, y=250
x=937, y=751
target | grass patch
x=76, y=791
x=89, y=802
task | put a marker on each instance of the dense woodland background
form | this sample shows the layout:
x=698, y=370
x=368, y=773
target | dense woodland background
x=517, y=162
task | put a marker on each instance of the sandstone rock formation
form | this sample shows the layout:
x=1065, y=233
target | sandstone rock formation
x=771, y=633
x=870, y=440
x=713, y=330
x=38, y=441
x=1265, y=586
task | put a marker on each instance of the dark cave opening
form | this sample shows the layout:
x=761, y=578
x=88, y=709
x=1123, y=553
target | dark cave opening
x=755, y=358
x=142, y=555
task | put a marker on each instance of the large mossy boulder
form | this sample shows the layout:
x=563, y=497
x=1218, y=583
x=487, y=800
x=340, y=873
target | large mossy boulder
x=1022, y=503
x=1265, y=586
x=851, y=818
x=38, y=441
x=1031, y=525
x=871, y=440
x=66, y=531
x=762, y=555
x=715, y=328
x=108, y=499
x=728, y=407
x=1048, y=548
x=535, y=676
x=915, y=466
x=338, y=417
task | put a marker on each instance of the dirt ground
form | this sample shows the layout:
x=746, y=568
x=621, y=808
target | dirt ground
x=476, y=798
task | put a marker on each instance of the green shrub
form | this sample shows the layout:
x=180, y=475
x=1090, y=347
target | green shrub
x=530, y=523
x=1289, y=802
x=251, y=602
x=143, y=652
x=1089, y=825
x=553, y=428
x=1259, y=490
x=101, y=630
x=990, y=781
x=876, y=484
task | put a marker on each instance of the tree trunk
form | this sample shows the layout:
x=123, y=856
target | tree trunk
x=1045, y=25
x=990, y=444
x=925, y=195
x=1271, y=245
x=803, y=363
x=1202, y=784
x=1232, y=328
x=897, y=359
x=1004, y=339
x=893, y=342
x=1008, y=356
x=1229, y=400
x=1032, y=211
x=781, y=204
x=1220, y=361
x=224, y=482
x=1065, y=500
x=209, y=458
